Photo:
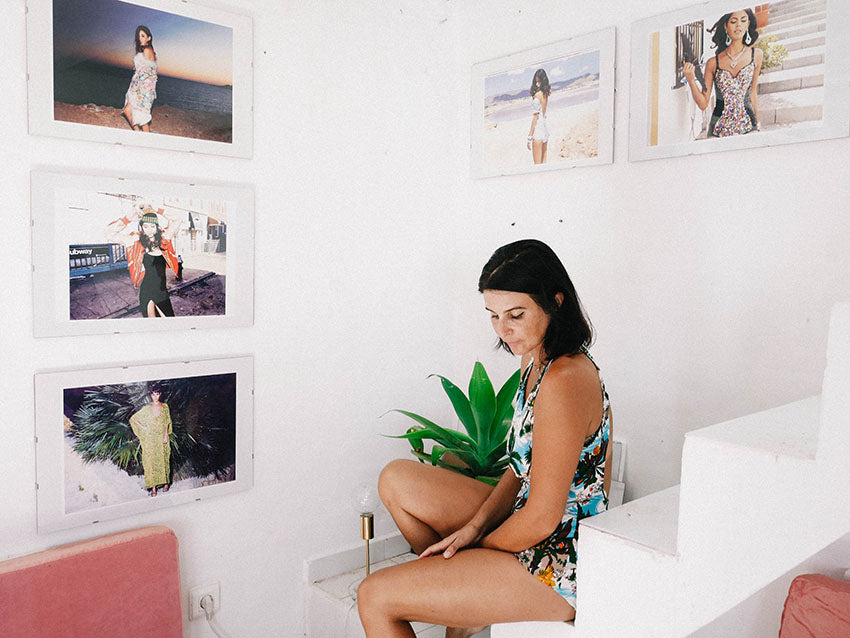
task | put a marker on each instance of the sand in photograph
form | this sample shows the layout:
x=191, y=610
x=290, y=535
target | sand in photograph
x=167, y=120
x=573, y=131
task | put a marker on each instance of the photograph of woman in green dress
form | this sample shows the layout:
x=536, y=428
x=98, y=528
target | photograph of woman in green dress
x=152, y=426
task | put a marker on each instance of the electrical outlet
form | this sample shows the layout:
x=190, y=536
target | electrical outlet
x=196, y=594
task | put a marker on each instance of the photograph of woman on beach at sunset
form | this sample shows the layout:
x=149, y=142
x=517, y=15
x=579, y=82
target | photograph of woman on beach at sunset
x=550, y=107
x=135, y=66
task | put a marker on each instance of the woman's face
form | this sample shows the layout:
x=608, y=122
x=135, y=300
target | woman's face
x=518, y=321
x=737, y=25
x=155, y=396
x=144, y=38
x=149, y=229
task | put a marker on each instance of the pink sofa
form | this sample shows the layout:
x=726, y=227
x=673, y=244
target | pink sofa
x=124, y=584
x=816, y=606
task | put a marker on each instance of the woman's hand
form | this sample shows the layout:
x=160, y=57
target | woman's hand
x=689, y=71
x=464, y=537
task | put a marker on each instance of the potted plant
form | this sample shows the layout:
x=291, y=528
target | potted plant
x=481, y=452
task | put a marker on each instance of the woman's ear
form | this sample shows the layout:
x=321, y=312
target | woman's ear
x=559, y=299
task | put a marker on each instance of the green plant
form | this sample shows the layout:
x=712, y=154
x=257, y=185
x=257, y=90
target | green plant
x=774, y=54
x=486, y=416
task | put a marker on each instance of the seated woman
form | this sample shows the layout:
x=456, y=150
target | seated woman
x=506, y=553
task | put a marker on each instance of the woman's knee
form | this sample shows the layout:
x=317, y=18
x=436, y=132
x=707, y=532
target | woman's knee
x=395, y=475
x=372, y=594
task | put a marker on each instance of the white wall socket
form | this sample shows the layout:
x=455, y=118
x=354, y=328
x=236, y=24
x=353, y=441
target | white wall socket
x=197, y=593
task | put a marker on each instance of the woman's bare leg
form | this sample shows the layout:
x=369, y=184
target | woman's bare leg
x=146, y=127
x=428, y=503
x=474, y=587
x=538, y=149
x=150, y=310
x=128, y=113
x=545, y=149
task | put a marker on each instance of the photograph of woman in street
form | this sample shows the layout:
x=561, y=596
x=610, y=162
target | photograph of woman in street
x=152, y=426
x=139, y=98
x=733, y=72
x=149, y=252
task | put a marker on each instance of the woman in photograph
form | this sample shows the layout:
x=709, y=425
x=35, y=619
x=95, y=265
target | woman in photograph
x=538, y=136
x=734, y=72
x=142, y=92
x=152, y=426
x=507, y=552
x=149, y=252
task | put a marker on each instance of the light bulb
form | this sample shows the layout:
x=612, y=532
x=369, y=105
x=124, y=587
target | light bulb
x=366, y=498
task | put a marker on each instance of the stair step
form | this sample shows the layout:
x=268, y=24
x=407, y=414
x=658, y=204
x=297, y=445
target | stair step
x=793, y=7
x=650, y=522
x=795, y=21
x=795, y=31
x=791, y=79
x=801, y=42
x=789, y=107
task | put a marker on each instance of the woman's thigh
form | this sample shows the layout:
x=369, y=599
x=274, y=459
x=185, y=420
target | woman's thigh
x=474, y=587
x=443, y=499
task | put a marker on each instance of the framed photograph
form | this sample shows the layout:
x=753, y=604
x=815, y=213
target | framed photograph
x=157, y=73
x=117, y=441
x=114, y=254
x=717, y=76
x=545, y=108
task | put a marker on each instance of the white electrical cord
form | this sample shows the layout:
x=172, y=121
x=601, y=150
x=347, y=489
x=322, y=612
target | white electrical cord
x=213, y=623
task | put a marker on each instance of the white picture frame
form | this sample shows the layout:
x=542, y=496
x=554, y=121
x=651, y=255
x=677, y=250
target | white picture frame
x=83, y=228
x=580, y=112
x=77, y=76
x=72, y=491
x=805, y=98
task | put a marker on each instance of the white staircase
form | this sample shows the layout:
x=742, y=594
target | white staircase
x=758, y=496
x=793, y=92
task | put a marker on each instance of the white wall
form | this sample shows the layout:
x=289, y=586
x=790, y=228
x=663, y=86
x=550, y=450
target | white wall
x=709, y=279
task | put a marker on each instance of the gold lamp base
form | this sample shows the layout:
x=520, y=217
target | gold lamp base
x=367, y=532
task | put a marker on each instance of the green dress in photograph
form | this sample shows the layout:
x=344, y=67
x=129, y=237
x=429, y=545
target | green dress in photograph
x=153, y=431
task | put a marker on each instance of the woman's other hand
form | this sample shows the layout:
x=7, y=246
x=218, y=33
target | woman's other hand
x=689, y=71
x=464, y=537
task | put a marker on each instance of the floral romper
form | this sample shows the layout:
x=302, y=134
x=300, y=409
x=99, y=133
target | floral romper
x=553, y=560
x=733, y=111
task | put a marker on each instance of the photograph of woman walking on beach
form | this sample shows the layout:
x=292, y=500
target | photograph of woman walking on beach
x=152, y=426
x=142, y=92
x=149, y=252
x=538, y=136
x=733, y=72
x=566, y=116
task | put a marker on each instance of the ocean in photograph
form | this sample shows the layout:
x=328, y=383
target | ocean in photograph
x=86, y=82
x=510, y=106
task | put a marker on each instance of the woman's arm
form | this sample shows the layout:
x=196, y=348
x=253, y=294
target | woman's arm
x=493, y=511
x=116, y=231
x=148, y=53
x=754, y=98
x=174, y=224
x=700, y=97
x=566, y=407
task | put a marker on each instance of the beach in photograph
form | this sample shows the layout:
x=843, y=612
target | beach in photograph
x=166, y=120
x=93, y=68
x=572, y=114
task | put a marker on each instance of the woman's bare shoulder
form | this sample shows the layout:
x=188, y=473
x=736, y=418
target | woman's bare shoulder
x=575, y=374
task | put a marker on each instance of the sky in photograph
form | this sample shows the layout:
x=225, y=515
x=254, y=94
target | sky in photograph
x=558, y=70
x=104, y=31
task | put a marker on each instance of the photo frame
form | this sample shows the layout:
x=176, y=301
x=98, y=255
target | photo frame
x=92, y=274
x=579, y=110
x=124, y=440
x=801, y=90
x=84, y=69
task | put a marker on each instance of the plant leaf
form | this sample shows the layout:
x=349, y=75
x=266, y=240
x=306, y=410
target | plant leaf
x=504, y=410
x=461, y=405
x=482, y=401
x=436, y=431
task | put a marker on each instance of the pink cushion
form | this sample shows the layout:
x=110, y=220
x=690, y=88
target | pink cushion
x=124, y=584
x=816, y=607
